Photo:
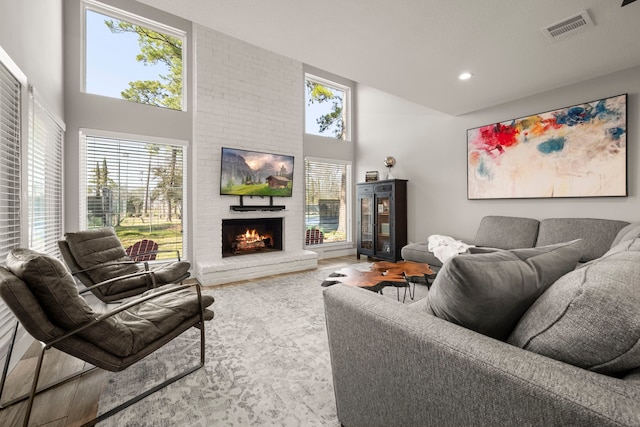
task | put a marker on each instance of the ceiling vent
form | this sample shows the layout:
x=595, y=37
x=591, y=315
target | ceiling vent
x=569, y=26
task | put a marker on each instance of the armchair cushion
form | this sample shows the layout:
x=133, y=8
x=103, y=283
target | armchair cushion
x=91, y=248
x=171, y=273
x=489, y=292
x=590, y=317
x=52, y=285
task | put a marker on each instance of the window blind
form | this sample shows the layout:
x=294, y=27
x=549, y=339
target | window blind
x=131, y=183
x=10, y=137
x=45, y=179
x=326, y=193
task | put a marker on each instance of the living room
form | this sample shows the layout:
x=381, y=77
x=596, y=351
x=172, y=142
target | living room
x=44, y=40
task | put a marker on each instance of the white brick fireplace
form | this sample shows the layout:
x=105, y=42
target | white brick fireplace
x=247, y=98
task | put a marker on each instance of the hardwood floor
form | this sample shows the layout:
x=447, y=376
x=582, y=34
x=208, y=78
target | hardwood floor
x=75, y=402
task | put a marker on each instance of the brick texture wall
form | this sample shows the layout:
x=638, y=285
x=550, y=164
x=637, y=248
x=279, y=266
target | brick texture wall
x=247, y=98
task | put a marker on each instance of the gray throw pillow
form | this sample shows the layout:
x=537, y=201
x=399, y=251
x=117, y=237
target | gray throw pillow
x=488, y=293
x=589, y=318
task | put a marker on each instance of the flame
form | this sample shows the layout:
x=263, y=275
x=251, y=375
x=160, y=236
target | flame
x=252, y=236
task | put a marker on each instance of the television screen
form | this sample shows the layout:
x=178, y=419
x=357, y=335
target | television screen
x=252, y=173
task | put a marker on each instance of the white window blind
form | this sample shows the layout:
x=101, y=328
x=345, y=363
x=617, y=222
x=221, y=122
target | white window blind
x=327, y=186
x=134, y=186
x=10, y=137
x=45, y=179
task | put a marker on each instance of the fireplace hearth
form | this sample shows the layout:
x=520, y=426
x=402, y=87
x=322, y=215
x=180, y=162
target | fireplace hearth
x=251, y=236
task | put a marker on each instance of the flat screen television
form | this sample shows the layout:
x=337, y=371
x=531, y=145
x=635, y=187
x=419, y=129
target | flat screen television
x=254, y=173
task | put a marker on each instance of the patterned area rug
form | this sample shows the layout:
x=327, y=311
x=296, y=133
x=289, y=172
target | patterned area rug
x=267, y=362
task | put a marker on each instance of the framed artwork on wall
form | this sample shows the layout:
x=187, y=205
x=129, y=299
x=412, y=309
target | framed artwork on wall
x=577, y=151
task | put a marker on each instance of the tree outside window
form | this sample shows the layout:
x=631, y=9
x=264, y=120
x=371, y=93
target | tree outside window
x=134, y=62
x=136, y=187
x=326, y=109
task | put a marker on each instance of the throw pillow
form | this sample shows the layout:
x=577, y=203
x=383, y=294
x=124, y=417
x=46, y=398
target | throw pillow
x=630, y=232
x=589, y=318
x=488, y=293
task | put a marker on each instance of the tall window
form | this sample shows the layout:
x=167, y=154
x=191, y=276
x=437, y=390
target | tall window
x=326, y=108
x=327, y=196
x=10, y=225
x=136, y=187
x=133, y=58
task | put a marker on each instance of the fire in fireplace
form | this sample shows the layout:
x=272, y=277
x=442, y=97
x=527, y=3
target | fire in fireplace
x=250, y=236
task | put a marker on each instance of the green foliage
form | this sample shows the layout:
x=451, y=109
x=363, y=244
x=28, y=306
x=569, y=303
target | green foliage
x=319, y=94
x=155, y=48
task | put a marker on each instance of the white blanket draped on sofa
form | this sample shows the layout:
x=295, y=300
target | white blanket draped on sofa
x=444, y=247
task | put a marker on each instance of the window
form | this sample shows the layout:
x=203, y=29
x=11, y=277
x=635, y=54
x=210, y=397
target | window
x=45, y=178
x=134, y=186
x=11, y=90
x=327, y=195
x=133, y=58
x=326, y=108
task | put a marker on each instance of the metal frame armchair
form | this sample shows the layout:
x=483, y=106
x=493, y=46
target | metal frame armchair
x=97, y=257
x=43, y=296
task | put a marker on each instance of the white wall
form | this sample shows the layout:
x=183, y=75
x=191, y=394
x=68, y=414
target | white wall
x=31, y=33
x=430, y=149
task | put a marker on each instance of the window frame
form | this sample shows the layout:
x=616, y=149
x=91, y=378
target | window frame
x=123, y=15
x=148, y=139
x=346, y=105
x=348, y=201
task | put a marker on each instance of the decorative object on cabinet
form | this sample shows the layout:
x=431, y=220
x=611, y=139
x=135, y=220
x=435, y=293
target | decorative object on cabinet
x=371, y=176
x=389, y=162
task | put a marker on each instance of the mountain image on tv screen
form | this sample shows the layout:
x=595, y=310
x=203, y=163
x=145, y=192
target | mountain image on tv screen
x=252, y=173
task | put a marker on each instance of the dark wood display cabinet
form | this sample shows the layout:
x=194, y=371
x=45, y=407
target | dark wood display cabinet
x=382, y=218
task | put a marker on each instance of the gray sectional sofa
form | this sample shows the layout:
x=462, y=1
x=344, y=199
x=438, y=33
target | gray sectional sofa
x=572, y=359
x=507, y=232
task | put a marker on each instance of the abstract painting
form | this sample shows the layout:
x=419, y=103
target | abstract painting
x=577, y=151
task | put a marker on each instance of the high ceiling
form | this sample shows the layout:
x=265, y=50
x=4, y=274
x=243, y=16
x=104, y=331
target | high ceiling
x=415, y=49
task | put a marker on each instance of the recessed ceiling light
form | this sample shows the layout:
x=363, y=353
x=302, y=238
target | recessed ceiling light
x=465, y=76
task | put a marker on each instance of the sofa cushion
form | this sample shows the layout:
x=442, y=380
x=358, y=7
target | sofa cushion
x=488, y=293
x=590, y=317
x=629, y=232
x=419, y=252
x=598, y=234
x=507, y=232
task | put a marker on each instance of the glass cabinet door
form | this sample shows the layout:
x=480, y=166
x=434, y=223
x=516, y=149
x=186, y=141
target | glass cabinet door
x=383, y=229
x=366, y=223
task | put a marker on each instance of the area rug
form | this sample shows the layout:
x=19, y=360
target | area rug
x=267, y=362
